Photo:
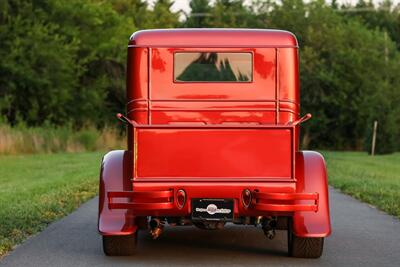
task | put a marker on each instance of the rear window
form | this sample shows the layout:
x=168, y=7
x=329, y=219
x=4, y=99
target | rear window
x=213, y=67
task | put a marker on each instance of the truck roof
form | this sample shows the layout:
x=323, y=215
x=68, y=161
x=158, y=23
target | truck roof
x=213, y=38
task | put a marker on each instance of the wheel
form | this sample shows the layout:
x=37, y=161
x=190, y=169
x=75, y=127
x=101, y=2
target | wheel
x=304, y=247
x=119, y=245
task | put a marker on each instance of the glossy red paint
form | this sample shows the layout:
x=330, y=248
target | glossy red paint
x=213, y=38
x=311, y=177
x=202, y=152
x=213, y=139
x=210, y=189
x=114, y=175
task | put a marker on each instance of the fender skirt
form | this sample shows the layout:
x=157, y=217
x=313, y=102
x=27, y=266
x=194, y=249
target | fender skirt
x=115, y=176
x=311, y=177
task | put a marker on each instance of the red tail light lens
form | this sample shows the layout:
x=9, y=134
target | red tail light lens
x=246, y=198
x=180, y=198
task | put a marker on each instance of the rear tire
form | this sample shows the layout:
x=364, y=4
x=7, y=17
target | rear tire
x=304, y=247
x=120, y=245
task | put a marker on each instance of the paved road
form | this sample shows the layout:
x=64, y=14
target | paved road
x=363, y=236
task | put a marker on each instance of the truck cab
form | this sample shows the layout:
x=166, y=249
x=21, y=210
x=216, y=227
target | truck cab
x=213, y=121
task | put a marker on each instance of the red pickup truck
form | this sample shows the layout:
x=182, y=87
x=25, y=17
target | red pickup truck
x=213, y=138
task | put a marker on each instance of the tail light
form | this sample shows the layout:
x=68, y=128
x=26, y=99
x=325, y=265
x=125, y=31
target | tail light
x=180, y=198
x=246, y=198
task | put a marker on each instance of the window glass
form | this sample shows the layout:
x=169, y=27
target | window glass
x=213, y=67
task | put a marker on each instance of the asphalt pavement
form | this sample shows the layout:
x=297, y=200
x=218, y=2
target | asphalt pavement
x=362, y=236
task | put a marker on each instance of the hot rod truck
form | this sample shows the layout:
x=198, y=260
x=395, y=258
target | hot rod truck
x=213, y=138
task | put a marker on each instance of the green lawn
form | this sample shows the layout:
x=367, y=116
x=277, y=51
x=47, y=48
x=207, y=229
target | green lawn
x=375, y=180
x=38, y=189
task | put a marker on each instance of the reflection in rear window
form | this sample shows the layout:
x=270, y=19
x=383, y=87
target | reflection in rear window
x=213, y=67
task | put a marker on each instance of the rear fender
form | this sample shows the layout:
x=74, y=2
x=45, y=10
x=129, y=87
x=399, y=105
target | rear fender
x=311, y=177
x=115, y=175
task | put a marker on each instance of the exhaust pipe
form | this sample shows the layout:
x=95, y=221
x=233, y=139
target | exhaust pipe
x=156, y=227
x=269, y=226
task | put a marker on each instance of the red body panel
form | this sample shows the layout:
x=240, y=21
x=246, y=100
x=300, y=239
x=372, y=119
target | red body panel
x=311, y=175
x=186, y=154
x=213, y=139
x=162, y=207
x=114, y=176
x=213, y=38
x=163, y=88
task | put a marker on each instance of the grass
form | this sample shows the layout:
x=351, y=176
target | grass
x=31, y=140
x=374, y=180
x=38, y=189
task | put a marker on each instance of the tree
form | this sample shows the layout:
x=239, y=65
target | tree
x=135, y=12
x=344, y=74
x=61, y=61
x=229, y=13
x=385, y=16
x=37, y=67
x=162, y=16
x=200, y=10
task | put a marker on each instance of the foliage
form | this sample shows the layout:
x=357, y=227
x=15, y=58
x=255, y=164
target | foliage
x=200, y=10
x=345, y=77
x=229, y=14
x=162, y=17
x=63, y=62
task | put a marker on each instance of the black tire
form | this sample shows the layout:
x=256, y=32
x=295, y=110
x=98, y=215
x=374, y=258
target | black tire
x=119, y=245
x=304, y=247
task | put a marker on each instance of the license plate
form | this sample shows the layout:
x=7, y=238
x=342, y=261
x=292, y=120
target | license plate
x=212, y=209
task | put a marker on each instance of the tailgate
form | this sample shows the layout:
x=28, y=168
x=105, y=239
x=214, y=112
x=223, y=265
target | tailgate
x=200, y=153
